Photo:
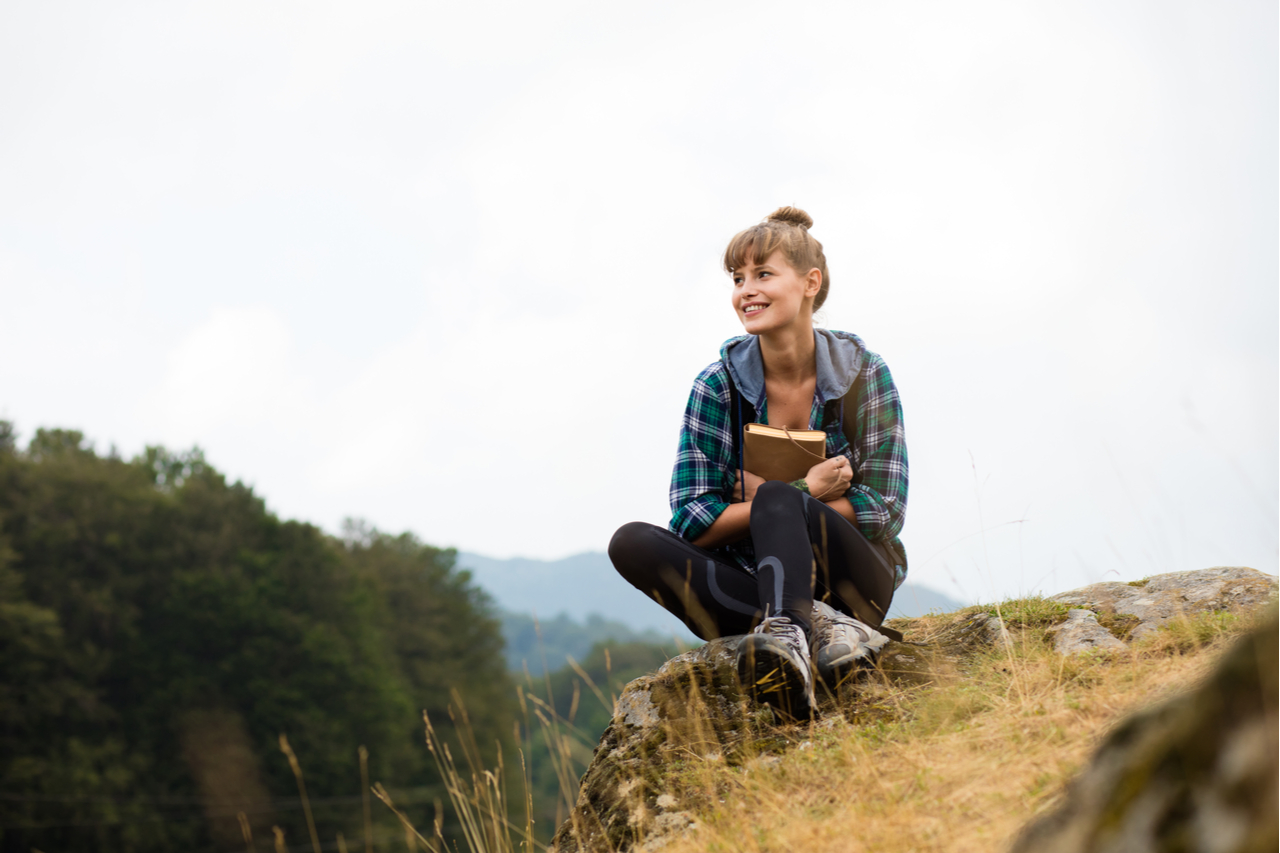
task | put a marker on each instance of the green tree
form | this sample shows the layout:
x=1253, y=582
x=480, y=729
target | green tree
x=159, y=630
x=444, y=632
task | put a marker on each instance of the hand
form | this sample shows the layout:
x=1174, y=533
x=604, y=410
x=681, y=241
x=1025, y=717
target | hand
x=752, y=483
x=830, y=478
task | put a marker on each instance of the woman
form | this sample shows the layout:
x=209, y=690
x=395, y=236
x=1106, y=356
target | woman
x=806, y=569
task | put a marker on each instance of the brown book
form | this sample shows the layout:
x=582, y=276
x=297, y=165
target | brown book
x=782, y=454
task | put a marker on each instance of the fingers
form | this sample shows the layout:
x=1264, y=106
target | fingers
x=843, y=471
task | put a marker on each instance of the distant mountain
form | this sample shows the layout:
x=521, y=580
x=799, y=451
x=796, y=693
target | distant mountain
x=544, y=644
x=577, y=586
x=586, y=584
x=913, y=599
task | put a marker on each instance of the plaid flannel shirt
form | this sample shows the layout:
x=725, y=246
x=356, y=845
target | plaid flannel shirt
x=705, y=461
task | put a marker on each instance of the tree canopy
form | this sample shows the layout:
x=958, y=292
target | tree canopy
x=160, y=629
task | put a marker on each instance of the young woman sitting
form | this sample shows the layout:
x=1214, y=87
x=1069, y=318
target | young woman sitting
x=807, y=568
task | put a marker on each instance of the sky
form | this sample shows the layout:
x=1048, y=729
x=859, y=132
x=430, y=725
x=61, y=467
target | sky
x=451, y=268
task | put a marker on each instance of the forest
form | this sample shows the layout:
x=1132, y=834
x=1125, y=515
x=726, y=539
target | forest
x=184, y=670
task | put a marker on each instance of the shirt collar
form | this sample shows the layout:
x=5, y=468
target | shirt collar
x=838, y=355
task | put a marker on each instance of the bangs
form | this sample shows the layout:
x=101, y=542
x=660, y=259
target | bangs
x=787, y=231
x=752, y=245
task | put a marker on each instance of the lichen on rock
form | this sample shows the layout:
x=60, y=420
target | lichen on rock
x=1082, y=633
x=1163, y=598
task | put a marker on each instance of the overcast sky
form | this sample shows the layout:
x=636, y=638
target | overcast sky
x=452, y=267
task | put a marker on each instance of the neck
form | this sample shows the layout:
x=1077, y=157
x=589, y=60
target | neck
x=789, y=354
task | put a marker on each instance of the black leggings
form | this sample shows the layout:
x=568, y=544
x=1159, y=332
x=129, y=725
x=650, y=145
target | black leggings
x=803, y=548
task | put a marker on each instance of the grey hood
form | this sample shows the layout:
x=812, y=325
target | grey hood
x=839, y=355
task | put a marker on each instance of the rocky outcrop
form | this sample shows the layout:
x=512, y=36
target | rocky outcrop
x=693, y=705
x=1143, y=606
x=1196, y=774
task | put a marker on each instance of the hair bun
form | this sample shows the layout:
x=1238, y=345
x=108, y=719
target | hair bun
x=791, y=216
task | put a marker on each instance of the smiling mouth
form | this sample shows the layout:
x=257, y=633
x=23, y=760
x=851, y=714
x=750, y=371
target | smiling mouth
x=754, y=309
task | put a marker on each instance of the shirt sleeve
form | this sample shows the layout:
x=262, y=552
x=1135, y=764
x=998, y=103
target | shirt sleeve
x=880, y=500
x=701, y=477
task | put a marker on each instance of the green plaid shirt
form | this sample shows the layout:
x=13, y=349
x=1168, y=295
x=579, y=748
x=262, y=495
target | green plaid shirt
x=705, y=462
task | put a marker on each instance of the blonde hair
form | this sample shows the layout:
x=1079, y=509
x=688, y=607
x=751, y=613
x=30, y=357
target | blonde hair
x=787, y=228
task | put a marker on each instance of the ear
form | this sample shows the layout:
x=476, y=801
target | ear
x=813, y=282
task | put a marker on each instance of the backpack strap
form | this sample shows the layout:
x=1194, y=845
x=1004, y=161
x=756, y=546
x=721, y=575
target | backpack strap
x=849, y=416
x=740, y=414
x=849, y=425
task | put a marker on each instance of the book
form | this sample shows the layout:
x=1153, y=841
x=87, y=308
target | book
x=775, y=453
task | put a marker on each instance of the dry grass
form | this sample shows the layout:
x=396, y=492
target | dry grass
x=957, y=765
x=957, y=759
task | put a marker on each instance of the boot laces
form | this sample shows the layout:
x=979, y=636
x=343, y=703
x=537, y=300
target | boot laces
x=782, y=628
x=831, y=627
x=835, y=627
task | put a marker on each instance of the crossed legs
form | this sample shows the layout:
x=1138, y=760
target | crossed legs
x=803, y=548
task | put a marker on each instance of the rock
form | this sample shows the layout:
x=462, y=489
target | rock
x=1081, y=633
x=967, y=630
x=1197, y=773
x=997, y=632
x=691, y=706
x=1164, y=597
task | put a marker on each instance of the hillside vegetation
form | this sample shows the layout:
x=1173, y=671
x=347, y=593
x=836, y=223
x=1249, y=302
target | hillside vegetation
x=160, y=631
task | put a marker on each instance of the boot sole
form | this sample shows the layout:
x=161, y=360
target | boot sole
x=769, y=676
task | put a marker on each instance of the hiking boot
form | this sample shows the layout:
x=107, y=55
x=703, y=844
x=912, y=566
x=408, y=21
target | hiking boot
x=842, y=645
x=773, y=664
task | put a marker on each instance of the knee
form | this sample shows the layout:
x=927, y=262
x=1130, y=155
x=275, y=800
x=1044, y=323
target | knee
x=774, y=490
x=774, y=497
x=628, y=545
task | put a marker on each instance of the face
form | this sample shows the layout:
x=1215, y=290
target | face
x=770, y=295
